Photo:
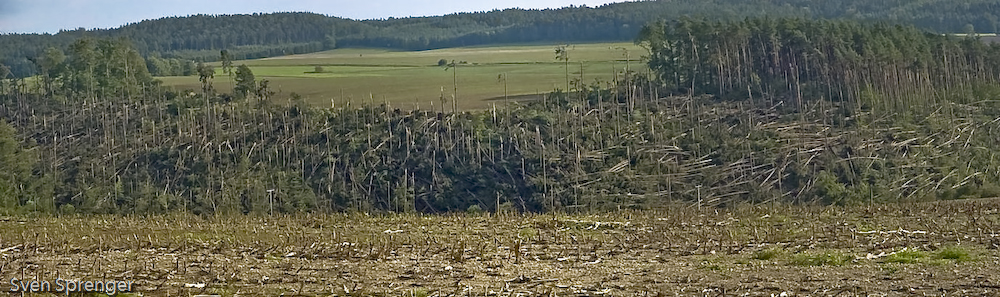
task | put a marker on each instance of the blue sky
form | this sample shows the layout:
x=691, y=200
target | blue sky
x=40, y=16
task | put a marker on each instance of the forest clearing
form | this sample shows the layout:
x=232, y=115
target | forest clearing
x=414, y=79
x=946, y=248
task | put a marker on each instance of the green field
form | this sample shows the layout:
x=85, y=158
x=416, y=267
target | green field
x=410, y=79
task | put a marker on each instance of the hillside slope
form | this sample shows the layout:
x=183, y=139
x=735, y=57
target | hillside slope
x=755, y=111
x=200, y=37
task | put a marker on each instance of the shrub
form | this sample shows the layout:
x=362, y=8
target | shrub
x=67, y=209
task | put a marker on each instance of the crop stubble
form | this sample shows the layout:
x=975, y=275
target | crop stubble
x=752, y=251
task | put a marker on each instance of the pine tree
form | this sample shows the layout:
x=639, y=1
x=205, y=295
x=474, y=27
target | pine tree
x=246, y=83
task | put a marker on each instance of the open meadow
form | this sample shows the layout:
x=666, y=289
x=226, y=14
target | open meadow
x=411, y=79
x=941, y=249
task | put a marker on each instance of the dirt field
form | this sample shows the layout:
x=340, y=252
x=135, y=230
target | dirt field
x=939, y=249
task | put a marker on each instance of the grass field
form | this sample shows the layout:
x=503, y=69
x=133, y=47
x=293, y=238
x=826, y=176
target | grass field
x=408, y=79
x=940, y=249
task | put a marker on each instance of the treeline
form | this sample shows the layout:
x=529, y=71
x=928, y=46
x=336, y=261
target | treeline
x=888, y=68
x=201, y=37
x=160, y=66
x=888, y=91
x=757, y=111
x=92, y=68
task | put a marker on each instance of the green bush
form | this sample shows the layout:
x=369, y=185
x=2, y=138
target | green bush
x=830, y=189
x=474, y=209
x=67, y=209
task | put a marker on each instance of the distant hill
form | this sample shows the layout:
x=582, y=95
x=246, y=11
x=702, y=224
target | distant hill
x=200, y=37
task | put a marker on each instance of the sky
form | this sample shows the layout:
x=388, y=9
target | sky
x=50, y=16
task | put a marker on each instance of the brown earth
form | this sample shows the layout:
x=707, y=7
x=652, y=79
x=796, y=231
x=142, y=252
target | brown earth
x=940, y=249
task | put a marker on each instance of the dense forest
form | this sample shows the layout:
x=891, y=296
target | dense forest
x=179, y=40
x=754, y=111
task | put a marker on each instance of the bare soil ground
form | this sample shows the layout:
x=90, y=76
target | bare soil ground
x=939, y=249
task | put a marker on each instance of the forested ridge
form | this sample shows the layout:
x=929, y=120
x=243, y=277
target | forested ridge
x=201, y=37
x=755, y=111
